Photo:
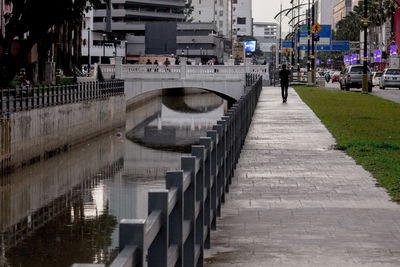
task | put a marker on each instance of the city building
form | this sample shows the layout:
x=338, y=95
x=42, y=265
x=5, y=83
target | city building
x=266, y=34
x=242, y=19
x=325, y=10
x=341, y=9
x=133, y=38
x=217, y=12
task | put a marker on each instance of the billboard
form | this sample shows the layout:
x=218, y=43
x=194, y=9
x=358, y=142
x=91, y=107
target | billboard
x=250, y=46
x=354, y=59
x=378, y=55
x=346, y=60
x=393, y=49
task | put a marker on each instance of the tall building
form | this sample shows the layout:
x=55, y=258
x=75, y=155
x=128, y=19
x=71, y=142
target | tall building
x=342, y=9
x=242, y=17
x=266, y=34
x=325, y=11
x=136, y=28
x=215, y=11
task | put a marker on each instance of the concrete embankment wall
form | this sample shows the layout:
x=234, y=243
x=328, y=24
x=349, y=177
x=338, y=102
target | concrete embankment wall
x=27, y=136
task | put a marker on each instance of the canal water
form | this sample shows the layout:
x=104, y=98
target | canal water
x=66, y=209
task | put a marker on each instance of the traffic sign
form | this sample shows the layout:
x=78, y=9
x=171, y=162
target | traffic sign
x=287, y=50
x=324, y=34
x=316, y=28
x=340, y=45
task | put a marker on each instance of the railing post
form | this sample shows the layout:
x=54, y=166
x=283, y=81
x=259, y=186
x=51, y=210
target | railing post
x=131, y=232
x=200, y=153
x=220, y=168
x=175, y=181
x=158, y=251
x=8, y=108
x=223, y=157
x=188, y=164
x=1, y=99
x=214, y=165
x=207, y=143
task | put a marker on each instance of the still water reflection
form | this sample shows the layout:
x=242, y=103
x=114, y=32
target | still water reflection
x=66, y=209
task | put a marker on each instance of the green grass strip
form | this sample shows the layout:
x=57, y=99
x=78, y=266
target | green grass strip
x=366, y=127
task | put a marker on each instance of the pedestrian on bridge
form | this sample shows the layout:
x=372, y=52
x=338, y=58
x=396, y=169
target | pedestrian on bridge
x=284, y=75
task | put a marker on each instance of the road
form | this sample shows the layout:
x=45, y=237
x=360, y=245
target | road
x=392, y=94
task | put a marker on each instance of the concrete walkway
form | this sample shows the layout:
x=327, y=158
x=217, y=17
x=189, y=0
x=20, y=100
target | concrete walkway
x=297, y=202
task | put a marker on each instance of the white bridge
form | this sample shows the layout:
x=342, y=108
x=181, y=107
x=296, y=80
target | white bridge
x=223, y=79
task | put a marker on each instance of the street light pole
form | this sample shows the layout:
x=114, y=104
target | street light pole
x=365, y=67
x=293, y=35
x=308, y=37
x=313, y=45
x=298, y=41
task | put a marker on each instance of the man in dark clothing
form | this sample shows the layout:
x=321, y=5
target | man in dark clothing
x=284, y=77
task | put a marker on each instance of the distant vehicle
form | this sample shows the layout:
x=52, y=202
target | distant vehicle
x=376, y=78
x=335, y=76
x=352, y=77
x=390, y=78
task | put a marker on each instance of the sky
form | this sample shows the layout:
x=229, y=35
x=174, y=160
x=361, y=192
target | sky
x=265, y=11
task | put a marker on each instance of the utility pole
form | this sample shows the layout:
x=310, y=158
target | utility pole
x=298, y=41
x=308, y=37
x=313, y=45
x=280, y=37
x=365, y=69
x=293, y=35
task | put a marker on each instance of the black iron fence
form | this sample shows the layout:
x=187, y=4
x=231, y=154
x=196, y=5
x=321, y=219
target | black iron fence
x=19, y=99
x=180, y=218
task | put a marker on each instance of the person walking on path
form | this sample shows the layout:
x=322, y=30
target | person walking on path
x=284, y=77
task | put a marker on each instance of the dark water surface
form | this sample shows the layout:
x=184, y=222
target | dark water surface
x=66, y=209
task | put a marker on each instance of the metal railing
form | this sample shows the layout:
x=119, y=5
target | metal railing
x=19, y=99
x=180, y=218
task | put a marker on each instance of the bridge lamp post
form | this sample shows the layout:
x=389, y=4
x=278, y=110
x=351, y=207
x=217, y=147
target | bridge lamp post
x=89, y=59
x=115, y=44
x=104, y=48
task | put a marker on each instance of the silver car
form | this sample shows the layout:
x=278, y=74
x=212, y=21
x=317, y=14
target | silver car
x=390, y=78
x=352, y=77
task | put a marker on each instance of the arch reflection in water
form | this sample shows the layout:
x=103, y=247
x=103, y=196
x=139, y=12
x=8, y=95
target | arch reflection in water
x=177, y=130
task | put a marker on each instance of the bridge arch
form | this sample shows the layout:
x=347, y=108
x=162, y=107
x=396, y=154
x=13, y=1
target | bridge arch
x=230, y=89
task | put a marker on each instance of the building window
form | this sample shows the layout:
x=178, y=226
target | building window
x=241, y=20
x=221, y=13
x=199, y=2
x=199, y=12
x=221, y=23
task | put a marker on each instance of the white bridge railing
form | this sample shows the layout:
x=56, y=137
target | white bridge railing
x=205, y=72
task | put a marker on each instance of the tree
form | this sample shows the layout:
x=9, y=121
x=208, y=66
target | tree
x=35, y=22
x=379, y=11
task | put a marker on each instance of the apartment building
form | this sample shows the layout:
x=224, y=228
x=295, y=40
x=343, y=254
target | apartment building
x=325, y=11
x=215, y=11
x=136, y=28
x=341, y=9
x=242, y=17
x=266, y=34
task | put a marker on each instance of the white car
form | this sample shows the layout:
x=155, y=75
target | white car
x=390, y=78
x=376, y=78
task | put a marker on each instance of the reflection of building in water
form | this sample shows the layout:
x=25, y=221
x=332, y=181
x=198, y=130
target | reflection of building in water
x=34, y=196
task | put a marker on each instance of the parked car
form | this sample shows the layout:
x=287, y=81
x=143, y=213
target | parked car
x=352, y=77
x=335, y=76
x=376, y=78
x=390, y=78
